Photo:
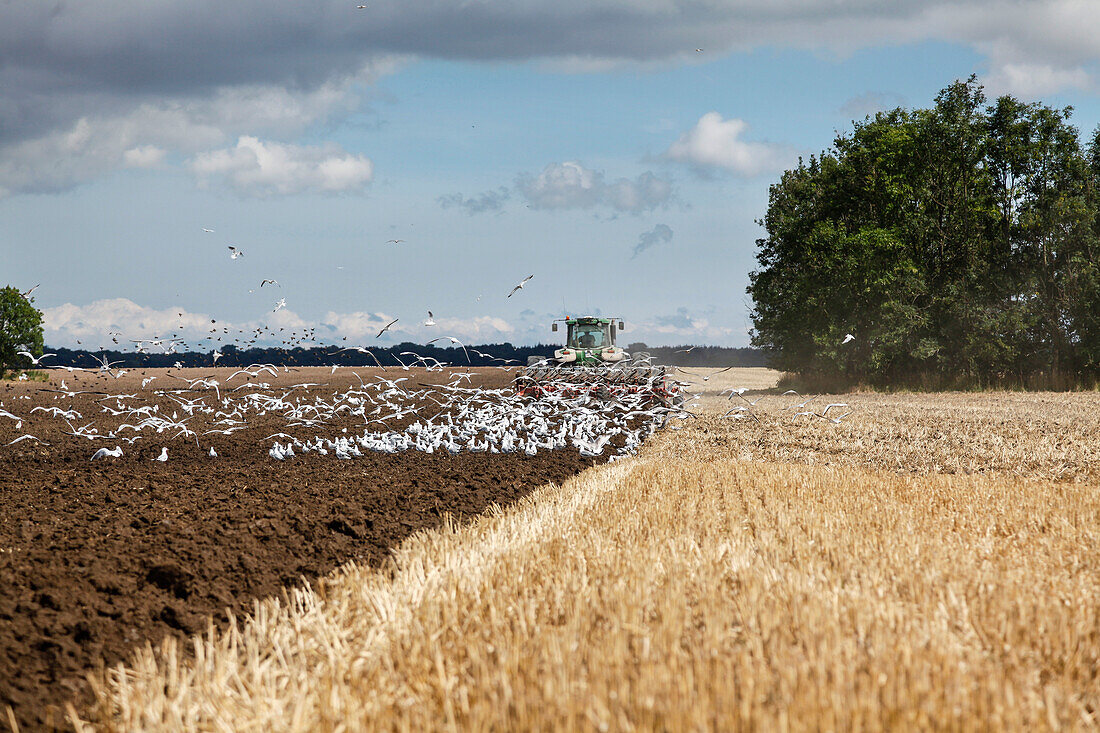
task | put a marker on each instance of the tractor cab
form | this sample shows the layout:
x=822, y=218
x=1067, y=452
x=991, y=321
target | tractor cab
x=589, y=336
x=589, y=341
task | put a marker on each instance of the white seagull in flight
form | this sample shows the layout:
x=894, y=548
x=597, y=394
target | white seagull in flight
x=518, y=287
x=454, y=341
x=234, y=253
x=31, y=357
x=387, y=328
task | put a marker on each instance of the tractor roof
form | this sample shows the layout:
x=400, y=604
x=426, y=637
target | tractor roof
x=587, y=319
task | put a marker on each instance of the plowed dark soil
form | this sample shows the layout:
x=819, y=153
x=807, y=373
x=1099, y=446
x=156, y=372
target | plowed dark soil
x=98, y=557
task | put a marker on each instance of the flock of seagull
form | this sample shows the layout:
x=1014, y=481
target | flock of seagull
x=379, y=414
x=482, y=420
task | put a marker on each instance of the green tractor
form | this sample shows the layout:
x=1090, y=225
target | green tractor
x=589, y=341
x=591, y=361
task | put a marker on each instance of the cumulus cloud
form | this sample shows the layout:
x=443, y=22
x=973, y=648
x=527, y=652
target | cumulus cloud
x=102, y=140
x=487, y=201
x=256, y=168
x=226, y=70
x=660, y=234
x=717, y=144
x=480, y=329
x=144, y=156
x=570, y=185
x=1033, y=80
x=95, y=323
x=364, y=326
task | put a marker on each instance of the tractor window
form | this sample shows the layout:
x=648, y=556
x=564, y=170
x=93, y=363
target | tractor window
x=589, y=336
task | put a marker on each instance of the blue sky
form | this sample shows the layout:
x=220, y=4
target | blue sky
x=614, y=162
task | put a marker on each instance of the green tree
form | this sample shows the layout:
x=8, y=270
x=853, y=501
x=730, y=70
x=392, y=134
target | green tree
x=958, y=243
x=20, y=329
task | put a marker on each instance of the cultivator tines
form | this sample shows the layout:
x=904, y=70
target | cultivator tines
x=604, y=381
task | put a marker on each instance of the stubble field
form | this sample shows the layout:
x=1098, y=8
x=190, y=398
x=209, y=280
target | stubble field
x=930, y=561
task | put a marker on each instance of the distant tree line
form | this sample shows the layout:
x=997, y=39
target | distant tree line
x=480, y=355
x=496, y=355
x=958, y=245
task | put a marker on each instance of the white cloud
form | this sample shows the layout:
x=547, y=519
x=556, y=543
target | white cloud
x=143, y=135
x=93, y=323
x=144, y=156
x=570, y=185
x=256, y=168
x=481, y=329
x=563, y=186
x=96, y=323
x=717, y=144
x=364, y=327
x=1031, y=81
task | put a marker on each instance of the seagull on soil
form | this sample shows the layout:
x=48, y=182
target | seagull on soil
x=27, y=437
x=107, y=453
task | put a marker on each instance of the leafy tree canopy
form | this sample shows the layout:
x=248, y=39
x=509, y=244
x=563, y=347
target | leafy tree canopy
x=957, y=244
x=20, y=329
